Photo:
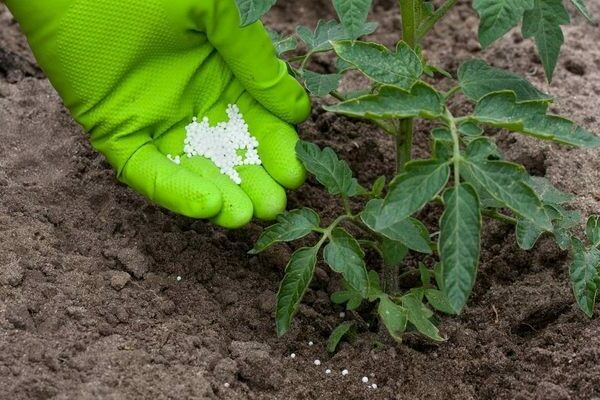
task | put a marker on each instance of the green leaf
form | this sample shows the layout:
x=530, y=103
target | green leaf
x=283, y=45
x=330, y=171
x=344, y=256
x=547, y=192
x=351, y=297
x=321, y=85
x=505, y=181
x=353, y=15
x=419, y=318
x=438, y=300
x=252, y=10
x=338, y=334
x=342, y=65
x=402, y=68
x=393, y=316
x=498, y=17
x=408, y=231
x=393, y=251
x=582, y=8
x=584, y=276
x=394, y=103
x=459, y=243
x=527, y=233
x=298, y=274
x=324, y=33
x=478, y=79
x=421, y=182
x=291, y=225
x=374, y=286
x=542, y=23
x=592, y=230
x=501, y=110
x=482, y=149
x=567, y=220
x=378, y=186
x=470, y=129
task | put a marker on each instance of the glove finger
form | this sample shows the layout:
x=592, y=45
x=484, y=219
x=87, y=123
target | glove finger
x=151, y=173
x=237, y=209
x=250, y=54
x=277, y=143
x=268, y=197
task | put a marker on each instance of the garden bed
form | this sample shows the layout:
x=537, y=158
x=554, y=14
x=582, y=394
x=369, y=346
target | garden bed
x=194, y=311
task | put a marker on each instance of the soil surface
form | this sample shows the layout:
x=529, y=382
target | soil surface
x=91, y=306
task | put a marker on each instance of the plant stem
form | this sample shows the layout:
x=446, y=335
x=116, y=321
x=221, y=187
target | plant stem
x=391, y=279
x=455, y=138
x=430, y=22
x=409, y=21
x=404, y=143
x=499, y=216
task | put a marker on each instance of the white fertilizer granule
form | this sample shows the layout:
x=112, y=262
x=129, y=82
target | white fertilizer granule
x=228, y=144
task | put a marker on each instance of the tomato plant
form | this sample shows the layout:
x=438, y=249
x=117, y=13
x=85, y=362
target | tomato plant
x=465, y=173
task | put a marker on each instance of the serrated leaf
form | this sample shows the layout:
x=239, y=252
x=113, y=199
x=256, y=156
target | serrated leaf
x=582, y=8
x=505, y=181
x=393, y=316
x=320, y=39
x=298, y=274
x=330, y=171
x=498, y=17
x=438, y=300
x=482, y=149
x=391, y=102
x=501, y=110
x=419, y=318
x=401, y=69
x=252, y=10
x=584, y=276
x=291, y=225
x=393, y=251
x=353, y=15
x=527, y=233
x=283, y=45
x=568, y=220
x=344, y=255
x=409, y=231
x=542, y=23
x=421, y=182
x=321, y=84
x=592, y=230
x=547, y=192
x=478, y=79
x=338, y=334
x=459, y=243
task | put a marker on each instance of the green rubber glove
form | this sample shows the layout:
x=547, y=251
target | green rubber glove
x=134, y=73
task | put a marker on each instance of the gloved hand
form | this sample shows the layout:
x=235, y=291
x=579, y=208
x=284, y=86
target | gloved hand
x=134, y=73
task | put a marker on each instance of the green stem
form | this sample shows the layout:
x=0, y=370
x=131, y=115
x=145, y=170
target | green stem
x=346, y=203
x=456, y=148
x=404, y=143
x=430, y=22
x=409, y=21
x=499, y=217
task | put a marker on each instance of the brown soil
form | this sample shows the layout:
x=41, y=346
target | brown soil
x=90, y=304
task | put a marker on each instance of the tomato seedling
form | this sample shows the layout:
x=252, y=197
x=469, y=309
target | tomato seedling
x=465, y=173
